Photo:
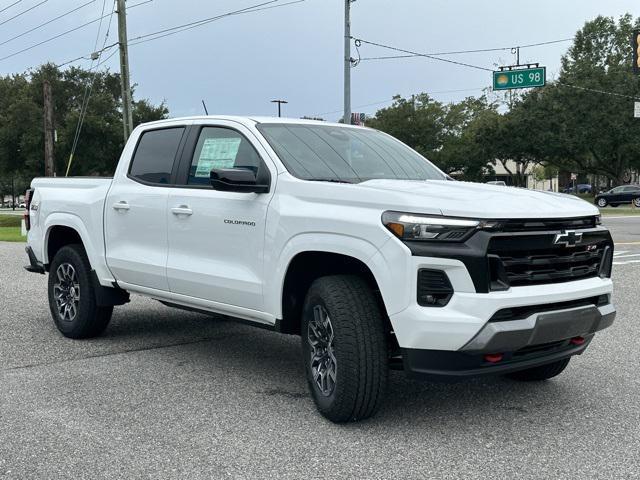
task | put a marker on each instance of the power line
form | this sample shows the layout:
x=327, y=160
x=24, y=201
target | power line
x=594, y=90
x=190, y=25
x=9, y=6
x=392, y=99
x=480, y=50
x=425, y=55
x=23, y=12
x=46, y=23
x=55, y=37
x=90, y=81
x=198, y=23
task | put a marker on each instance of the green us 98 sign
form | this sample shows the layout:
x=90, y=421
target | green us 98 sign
x=524, y=78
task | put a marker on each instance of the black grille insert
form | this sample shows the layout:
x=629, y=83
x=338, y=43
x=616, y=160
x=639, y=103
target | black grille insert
x=535, y=259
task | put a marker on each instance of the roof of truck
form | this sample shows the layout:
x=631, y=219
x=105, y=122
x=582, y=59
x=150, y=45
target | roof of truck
x=250, y=119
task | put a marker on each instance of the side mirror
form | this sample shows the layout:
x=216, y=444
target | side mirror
x=237, y=180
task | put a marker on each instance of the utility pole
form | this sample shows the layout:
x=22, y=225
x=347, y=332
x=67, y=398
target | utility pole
x=127, y=109
x=279, y=102
x=49, y=165
x=347, y=62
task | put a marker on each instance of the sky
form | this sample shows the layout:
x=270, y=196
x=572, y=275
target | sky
x=238, y=64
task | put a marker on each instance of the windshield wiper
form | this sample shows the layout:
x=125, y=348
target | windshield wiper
x=332, y=180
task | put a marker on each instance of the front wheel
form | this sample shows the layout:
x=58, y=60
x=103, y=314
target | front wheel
x=543, y=372
x=72, y=298
x=344, y=348
x=602, y=202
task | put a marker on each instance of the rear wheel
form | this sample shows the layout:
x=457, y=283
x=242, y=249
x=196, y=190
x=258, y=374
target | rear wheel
x=72, y=298
x=344, y=348
x=636, y=202
x=602, y=202
x=543, y=372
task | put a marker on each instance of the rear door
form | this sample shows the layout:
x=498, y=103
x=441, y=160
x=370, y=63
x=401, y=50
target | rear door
x=136, y=210
x=630, y=192
x=216, y=239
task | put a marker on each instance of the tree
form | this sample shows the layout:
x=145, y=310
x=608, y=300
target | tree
x=572, y=125
x=100, y=140
x=445, y=134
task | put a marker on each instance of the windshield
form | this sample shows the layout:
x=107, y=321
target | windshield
x=339, y=154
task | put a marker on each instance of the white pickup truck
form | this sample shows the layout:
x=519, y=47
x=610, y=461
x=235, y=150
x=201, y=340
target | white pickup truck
x=339, y=234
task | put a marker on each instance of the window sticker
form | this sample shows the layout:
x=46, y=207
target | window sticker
x=217, y=153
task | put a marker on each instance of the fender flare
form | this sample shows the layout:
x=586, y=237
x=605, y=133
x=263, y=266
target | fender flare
x=340, y=244
x=95, y=253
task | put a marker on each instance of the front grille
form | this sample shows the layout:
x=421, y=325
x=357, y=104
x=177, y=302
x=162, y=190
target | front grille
x=533, y=260
x=532, y=225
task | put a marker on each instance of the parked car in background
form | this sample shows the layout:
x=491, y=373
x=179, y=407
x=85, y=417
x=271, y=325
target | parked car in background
x=619, y=195
x=497, y=182
x=580, y=188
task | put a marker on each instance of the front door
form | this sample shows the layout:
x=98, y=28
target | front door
x=216, y=238
x=136, y=211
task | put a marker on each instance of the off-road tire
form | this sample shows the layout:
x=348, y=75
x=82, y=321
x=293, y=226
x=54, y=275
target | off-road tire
x=90, y=320
x=543, y=372
x=359, y=347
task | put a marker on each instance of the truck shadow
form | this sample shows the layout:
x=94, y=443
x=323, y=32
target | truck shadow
x=269, y=364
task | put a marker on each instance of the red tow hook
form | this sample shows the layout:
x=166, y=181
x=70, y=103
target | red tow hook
x=493, y=357
x=577, y=341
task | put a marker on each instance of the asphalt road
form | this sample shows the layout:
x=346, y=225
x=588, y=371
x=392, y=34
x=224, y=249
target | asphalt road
x=170, y=394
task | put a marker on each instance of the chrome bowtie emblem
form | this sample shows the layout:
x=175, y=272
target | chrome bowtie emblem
x=569, y=238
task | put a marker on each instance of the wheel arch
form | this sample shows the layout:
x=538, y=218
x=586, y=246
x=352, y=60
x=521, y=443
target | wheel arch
x=65, y=229
x=307, y=266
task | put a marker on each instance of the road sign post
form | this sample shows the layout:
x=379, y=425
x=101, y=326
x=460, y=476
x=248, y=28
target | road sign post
x=520, y=78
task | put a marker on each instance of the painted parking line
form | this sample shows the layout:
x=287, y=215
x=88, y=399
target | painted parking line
x=619, y=256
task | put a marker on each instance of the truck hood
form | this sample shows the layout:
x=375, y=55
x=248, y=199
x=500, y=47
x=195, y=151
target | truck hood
x=466, y=199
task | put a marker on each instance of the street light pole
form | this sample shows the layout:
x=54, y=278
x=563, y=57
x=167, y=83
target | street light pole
x=347, y=62
x=279, y=102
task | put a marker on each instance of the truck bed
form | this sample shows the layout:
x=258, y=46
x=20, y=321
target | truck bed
x=77, y=202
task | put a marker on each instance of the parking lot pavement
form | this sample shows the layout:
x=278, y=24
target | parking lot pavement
x=171, y=394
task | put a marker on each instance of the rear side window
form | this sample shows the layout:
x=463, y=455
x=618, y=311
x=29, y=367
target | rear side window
x=155, y=154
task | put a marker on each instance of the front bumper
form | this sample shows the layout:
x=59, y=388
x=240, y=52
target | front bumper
x=525, y=343
x=467, y=313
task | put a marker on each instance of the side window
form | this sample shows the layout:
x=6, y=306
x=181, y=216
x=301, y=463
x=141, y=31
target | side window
x=631, y=189
x=219, y=147
x=617, y=190
x=154, y=156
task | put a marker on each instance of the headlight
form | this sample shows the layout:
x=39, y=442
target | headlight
x=408, y=226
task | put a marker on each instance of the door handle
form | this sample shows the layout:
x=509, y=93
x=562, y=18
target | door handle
x=182, y=210
x=121, y=206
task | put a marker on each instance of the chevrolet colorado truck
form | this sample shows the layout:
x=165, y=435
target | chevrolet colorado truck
x=339, y=234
